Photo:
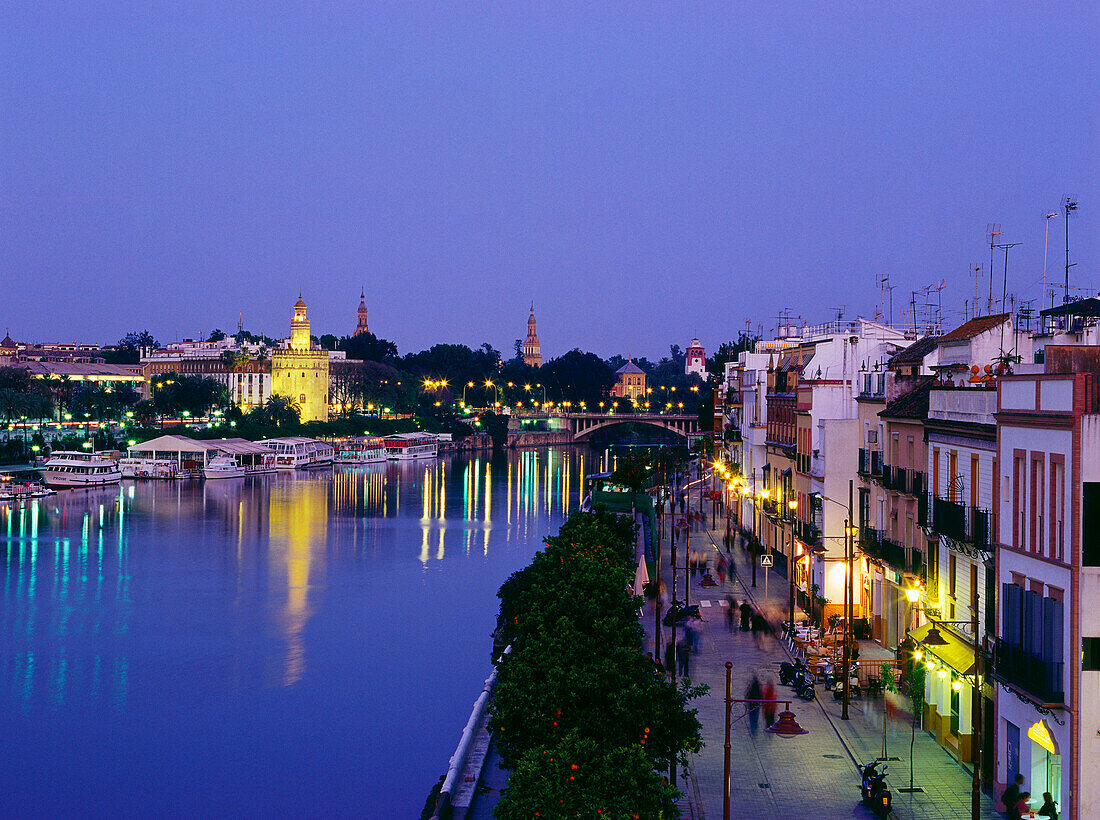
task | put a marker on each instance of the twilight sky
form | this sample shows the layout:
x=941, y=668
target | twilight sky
x=643, y=172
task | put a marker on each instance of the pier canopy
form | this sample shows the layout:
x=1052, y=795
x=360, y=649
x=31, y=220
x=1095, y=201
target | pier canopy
x=187, y=453
x=248, y=454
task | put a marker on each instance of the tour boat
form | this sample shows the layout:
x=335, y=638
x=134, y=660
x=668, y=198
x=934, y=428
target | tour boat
x=299, y=453
x=360, y=450
x=10, y=491
x=147, y=468
x=409, y=446
x=223, y=467
x=76, y=469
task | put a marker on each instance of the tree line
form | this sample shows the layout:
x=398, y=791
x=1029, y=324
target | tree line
x=580, y=716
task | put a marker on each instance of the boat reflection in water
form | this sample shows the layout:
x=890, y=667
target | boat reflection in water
x=300, y=636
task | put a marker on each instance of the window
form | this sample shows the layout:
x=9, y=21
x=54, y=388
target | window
x=1090, y=654
x=1090, y=524
x=952, y=574
x=936, y=472
x=973, y=587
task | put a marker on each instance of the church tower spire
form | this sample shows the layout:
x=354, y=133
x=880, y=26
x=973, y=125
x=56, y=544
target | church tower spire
x=361, y=324
x=532, y=350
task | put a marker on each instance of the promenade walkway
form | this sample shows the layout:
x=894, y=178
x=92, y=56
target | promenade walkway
x=814, y=775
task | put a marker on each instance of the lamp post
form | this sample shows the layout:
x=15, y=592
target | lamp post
x=934, y=638
x=785, y=726
x=849, y=550
x=793, y=505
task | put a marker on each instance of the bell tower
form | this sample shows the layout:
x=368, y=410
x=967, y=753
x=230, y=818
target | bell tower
x=361, y=324
x=532, y=351
x=299, y=327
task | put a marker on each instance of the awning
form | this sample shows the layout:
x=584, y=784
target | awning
x=786, y=472
x=957, y=653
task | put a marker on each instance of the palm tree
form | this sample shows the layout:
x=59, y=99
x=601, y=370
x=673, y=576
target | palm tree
x=281, y=410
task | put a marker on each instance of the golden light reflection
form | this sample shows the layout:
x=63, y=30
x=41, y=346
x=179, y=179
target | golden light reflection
x=298, y=520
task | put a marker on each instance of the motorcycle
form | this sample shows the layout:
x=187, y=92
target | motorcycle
x=680, y=612
x=876, y=794
x=790, y=672
x=804, y=688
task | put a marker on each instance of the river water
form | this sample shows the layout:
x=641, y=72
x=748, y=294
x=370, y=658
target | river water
x=288, y=645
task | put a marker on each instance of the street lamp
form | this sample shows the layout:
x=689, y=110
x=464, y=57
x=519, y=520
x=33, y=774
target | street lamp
x=792, y=504
x=934, y=638
x=849, y=550
x=785, y=726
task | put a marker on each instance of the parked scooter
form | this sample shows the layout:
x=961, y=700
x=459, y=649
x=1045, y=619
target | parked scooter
x=790, y=672
x=876, y=794
x=804, y=688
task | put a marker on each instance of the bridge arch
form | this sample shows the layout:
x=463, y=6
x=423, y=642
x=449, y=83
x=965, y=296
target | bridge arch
x=682, y=426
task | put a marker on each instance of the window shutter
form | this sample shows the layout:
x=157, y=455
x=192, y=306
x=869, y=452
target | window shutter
x=1010, y=613
x=1033, y=622
x=1052, y=630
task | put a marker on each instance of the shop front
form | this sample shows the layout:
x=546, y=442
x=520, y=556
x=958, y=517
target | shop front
x=949, y=690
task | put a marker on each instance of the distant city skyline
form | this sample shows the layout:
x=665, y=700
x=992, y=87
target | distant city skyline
x=644, y=174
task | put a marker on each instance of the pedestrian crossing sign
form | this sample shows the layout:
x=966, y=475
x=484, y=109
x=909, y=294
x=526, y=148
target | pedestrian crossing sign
x=765, y=560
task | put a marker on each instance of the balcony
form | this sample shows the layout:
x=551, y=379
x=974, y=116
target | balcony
x=893, y=553
x=922, y=510
x=876, y=462
x=1029, y=673
x=807, y=532
x=864, y=461
x=971, y=525
x=949, y=518
x=870, y=541
x=897, y=479
x=916, y=483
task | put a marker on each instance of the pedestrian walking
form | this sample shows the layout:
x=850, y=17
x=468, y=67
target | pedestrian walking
x=696, y=631
x=746, y=613
x=754, y=693
x=758, y=626
x=670, y=658
x=683, y=656
x=689, y=632
x=769, y=706
x=731, y=612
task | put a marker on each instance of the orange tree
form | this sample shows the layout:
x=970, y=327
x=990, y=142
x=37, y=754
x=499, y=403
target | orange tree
x=579, y=778
x=576, y=670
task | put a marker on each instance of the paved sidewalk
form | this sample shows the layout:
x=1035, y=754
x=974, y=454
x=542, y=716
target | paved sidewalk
x=811, y=776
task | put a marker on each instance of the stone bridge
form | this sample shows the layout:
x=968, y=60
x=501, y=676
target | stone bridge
x=582, y=425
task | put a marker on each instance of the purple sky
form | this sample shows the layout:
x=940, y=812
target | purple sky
x=644, y=173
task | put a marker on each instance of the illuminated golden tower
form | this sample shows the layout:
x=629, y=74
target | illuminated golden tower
x=299, y=372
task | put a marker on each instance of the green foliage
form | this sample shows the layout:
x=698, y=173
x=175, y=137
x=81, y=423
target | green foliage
x=577, y=376
x=633, y=471
x=887, y=678
x=174, y=393
x=577, y=683
x=578, y=777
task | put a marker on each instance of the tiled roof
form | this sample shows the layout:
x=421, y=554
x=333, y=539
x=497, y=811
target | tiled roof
x=911, y=405
x=969, y=330
x=915, y=353
x=629, y=367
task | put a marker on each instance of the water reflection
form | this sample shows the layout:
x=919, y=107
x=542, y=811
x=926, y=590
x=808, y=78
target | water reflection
x=150, y=604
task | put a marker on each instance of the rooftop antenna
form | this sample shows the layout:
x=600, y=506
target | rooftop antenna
x=1004, y=291
x=1046, y=239
x=976, y=272
x=992, y=230
x=883, y=282
x=1068, y=207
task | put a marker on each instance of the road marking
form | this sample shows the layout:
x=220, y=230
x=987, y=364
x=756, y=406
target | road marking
x=723, y=603
x=704, y=603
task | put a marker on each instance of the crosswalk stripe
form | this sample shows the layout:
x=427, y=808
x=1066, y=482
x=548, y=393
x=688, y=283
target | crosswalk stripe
x=723, y=603
x=704, y=603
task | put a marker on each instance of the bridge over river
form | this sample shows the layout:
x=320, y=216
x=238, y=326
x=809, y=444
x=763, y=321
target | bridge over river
x=579, y=426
